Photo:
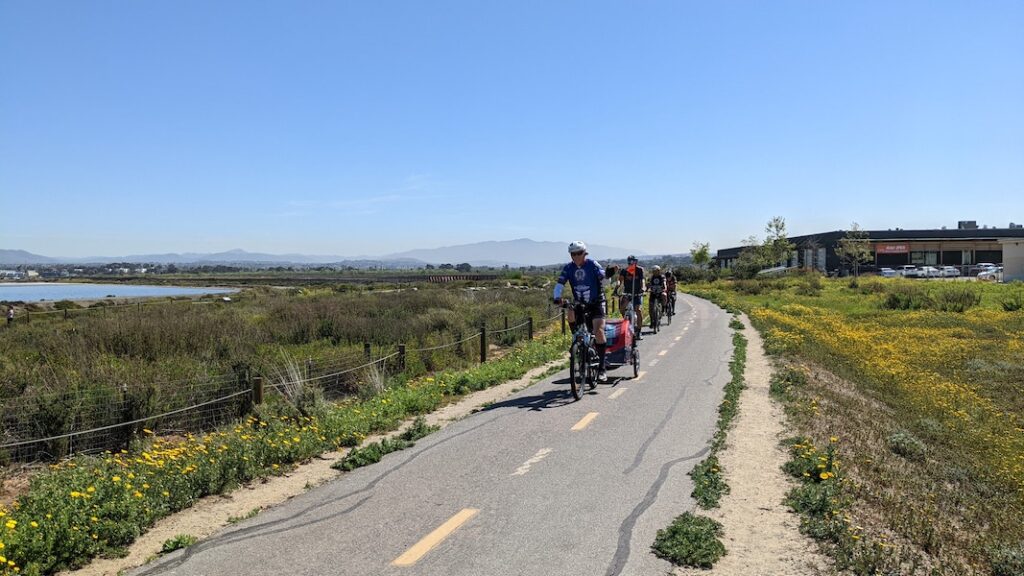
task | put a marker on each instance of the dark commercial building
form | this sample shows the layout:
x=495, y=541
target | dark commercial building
x=963, y=247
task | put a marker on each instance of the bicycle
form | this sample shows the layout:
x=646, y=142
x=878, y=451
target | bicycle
x=656, y=311
x=582, y=353
x=670, y=309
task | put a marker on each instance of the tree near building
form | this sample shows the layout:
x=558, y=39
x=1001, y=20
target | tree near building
x=777, y=248
x=700, y=254
x=854, y=248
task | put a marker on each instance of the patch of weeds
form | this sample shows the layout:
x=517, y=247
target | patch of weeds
x=1013, y=302
x=735, y=324
x=957, y=298
x=906, y=297
x=178, y=542
x=372, y=453
x=418, y=429
x=729, y=407
x=690, y=541
x=904, y=444
x=246, y=516
x=1007, y=560
x=783, y=381
x=708, y=484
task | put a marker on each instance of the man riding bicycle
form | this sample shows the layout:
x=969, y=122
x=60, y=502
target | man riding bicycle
x=632, y=277
x=585, y=276
x=657, y=288
x=670, y=287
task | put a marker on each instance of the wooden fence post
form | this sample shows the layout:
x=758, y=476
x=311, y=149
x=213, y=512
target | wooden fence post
x=483, y=343
x=65, y=313
x=257, y=390
x=401, y=357
x=506, y=322
x=529, y=328
x=366, y=350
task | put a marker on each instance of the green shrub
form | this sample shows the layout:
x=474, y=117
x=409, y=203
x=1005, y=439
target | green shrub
x=783, y=380
x=907, y=445
x=178, y=542
x=690, y=541
x=1013, y=302
x=708, y=484
x=906, y=297
x=957, y=299
x=1007, y=560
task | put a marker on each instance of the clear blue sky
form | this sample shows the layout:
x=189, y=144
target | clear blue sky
x=363, y=128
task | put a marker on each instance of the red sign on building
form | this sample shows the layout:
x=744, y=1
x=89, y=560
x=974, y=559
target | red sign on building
x=891, y=248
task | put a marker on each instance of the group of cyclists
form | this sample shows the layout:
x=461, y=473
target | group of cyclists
x=586, y=278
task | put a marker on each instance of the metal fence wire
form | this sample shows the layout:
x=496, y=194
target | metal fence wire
x=52, y=425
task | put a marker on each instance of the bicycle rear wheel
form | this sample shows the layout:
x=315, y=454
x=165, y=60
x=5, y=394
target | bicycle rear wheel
x=578, y=368
x=636, y=362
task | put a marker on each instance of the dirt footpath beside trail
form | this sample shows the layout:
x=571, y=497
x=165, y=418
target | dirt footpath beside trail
x=761, y=535
x=211, y=514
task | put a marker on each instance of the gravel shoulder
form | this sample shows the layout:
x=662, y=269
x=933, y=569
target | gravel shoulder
x=761, y=535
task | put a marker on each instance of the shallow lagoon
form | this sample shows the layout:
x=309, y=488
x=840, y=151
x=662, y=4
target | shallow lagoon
x=50, y=291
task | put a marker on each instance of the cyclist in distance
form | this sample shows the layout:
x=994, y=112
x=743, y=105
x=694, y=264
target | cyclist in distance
x=585, y=276
x=670, y=287
x=632, y=277
x=657, y=289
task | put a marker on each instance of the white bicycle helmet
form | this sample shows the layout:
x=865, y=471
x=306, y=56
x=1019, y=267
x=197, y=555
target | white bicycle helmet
x=577, y=246
x=657, y=268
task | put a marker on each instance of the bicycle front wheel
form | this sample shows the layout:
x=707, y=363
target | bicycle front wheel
x=577, y=368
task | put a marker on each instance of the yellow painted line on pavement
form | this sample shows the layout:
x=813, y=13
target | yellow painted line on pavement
x=412, y=555
x=663, y=352
x=678, y=338
x=617, y=393
x=639, y=375
x=585, y=421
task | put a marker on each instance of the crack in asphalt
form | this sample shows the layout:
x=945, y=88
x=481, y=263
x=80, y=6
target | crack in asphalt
x=267, y=528
x=626, y=529
x=665, y=420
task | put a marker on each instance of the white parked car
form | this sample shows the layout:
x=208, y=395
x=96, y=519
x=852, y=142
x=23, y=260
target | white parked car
x=907, y=271
x=949, y=271
x=991, y=275
x=928, y=272
x=887, y=273
x=982, y=267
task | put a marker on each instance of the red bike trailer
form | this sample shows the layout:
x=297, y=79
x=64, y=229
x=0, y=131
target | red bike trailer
x=621, y=348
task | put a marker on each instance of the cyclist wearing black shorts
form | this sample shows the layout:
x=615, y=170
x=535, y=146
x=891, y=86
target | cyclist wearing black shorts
x=670, y=286
x=632, y=277
x=657, y=288
x=585, y=276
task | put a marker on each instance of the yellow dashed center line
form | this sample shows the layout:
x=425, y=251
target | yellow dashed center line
x=663, y=352
x=639, y=375
x=679, y=338
x=617, y=393
x=412, y=555
x=583, y=423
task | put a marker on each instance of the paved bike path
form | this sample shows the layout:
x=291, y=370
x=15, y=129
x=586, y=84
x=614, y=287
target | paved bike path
x=513, y=489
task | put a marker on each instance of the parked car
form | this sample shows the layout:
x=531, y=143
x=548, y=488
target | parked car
x=928, y=272
x=887, y=273
x=949, y=271
x=982, y=267
x=991, y=275
x=907, y=271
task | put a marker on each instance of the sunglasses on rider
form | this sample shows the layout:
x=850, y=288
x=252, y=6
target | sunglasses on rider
x=577, y=253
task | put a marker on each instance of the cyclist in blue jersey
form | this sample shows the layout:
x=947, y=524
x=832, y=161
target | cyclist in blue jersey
x=585, y=276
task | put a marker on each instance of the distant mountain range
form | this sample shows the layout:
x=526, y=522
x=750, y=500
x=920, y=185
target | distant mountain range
x=514, y=253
